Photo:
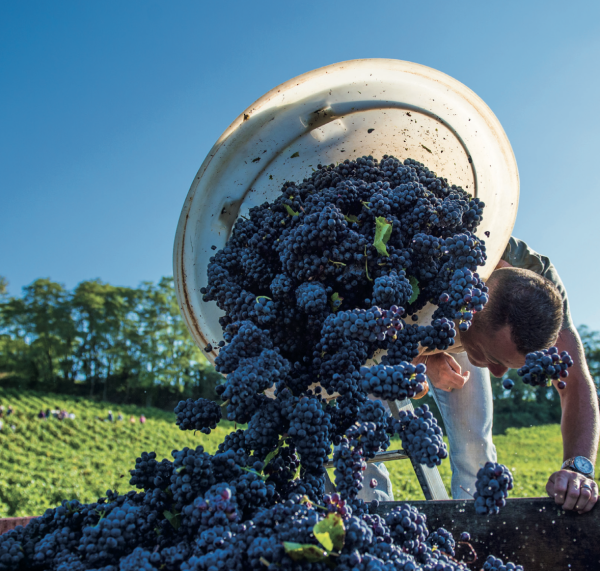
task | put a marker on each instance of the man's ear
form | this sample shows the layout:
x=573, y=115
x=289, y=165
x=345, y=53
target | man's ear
x=503, y=264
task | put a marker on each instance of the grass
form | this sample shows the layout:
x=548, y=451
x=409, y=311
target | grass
x=45, y=461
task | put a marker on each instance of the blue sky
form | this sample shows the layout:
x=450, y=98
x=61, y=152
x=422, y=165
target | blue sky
x=108, y=109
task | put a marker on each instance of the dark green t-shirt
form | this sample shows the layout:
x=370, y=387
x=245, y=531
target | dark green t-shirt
x=520, y=255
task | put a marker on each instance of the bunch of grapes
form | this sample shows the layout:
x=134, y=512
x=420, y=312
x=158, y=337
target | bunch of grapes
x=493, y=484
x=266, y=311
x=543, y=366
x=193, y=473
x=443, y=540
x=421, y=436
x=245, y=340
x=393, y=382
x=311, y=297
x=466, y=295
x=310, y=426
x=217, y=507
x=392, y=289
x=369, y=326
x=439, y=335
x=115, y=535
x=369, y=438
x=495, y=564
x=310, y=286
x=149, y=473
x=202, y=415
x=349, y=464
x=408, y=527
x=405, y=347
x=244, y=387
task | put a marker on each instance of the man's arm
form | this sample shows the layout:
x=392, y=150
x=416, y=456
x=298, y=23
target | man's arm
x=580, y=427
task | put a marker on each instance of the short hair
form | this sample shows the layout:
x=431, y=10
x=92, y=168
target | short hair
x=528, y=303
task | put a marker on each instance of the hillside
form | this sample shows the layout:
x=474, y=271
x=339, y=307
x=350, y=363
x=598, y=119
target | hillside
x=45, y=461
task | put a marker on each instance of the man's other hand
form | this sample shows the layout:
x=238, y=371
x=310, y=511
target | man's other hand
x=572, y=491
x=445, y=373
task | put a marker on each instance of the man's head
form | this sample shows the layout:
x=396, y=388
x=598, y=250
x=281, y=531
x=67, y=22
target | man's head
x=524, y=314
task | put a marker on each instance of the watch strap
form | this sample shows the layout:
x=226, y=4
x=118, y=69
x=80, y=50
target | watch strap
x=569, y=464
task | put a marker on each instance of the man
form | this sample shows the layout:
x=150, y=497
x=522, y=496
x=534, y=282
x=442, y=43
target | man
x=528, y=310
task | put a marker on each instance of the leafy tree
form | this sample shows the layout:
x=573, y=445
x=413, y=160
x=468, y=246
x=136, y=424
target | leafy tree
x=168, y=356
x=39, y=333
x=131, y=342
x=101, y=312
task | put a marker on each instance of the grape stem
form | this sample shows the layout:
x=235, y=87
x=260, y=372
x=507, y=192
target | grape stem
x=473, y=552
x=467, y=491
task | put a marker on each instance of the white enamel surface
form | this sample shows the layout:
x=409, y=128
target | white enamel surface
x=325, y=116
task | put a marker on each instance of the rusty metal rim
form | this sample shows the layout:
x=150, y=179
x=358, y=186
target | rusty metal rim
x=186, y=286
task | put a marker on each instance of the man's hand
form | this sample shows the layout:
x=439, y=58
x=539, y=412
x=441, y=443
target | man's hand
x=572, y=491
x=445, y=373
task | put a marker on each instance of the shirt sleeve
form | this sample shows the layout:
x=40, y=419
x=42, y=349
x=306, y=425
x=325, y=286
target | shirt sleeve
x=520, y=255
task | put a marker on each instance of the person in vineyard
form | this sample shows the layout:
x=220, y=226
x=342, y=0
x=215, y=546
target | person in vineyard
x=528, y=311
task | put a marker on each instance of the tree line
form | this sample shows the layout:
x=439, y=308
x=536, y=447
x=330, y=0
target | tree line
x=131, y=345
x=120, y=344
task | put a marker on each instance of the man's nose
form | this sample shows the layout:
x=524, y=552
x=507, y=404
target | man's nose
x=497, y=370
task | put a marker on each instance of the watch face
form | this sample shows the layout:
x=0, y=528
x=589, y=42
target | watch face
x=582, y=464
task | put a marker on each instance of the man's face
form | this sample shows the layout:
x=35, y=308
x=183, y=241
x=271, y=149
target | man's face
x=495, y=351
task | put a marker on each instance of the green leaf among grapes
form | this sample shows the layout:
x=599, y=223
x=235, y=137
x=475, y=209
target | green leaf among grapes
x=330, y=532
x=324, y=539
x=414, y=282
x=336, y=301
x=274, y=453
x=367, y=265
x=383, y=231
x=173, y=519
x=252, y=471
x=304, y=552
x=351, y=218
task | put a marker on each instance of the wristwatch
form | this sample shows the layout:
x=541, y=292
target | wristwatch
x=579, y=464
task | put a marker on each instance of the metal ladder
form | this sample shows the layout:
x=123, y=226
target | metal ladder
x=429, y=478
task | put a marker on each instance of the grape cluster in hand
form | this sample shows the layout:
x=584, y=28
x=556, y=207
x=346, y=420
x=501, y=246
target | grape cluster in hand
x=543, y=366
